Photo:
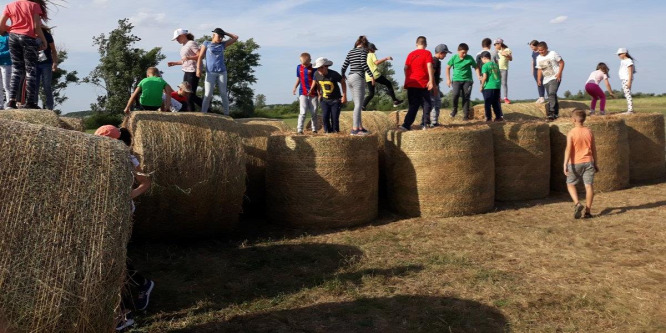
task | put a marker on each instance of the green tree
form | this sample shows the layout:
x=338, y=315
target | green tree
x=567, y=94
x=260, y=101
x=59, y=82
x=122, y=66
x=241, y=59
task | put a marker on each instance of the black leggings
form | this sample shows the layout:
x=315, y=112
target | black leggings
x=371, y=90
x=193, y=99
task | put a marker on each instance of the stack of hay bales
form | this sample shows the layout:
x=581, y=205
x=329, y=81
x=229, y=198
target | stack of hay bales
x=72, y=124
x=522, y=160
x=198, y=174
x=37, y=117
x=448, y=171
x=397, y=118
x=567, y=107
x=513, y=112
x=373, y=121
x=646, y=146
x=322, y=181
x=65, y=222
x=255, y=133
x=612, y=141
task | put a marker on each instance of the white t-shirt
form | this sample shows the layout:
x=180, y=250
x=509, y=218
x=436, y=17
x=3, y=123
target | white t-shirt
x=624, y=68
x=190, y=49
x=175, y=105
x=549, y=65
x=596, y=77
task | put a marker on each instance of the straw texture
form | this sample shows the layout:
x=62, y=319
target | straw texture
x=397, y=118
x=198, y=179
x=522, y=160
x=447, y=171
x=72, y=124
x=322, y=181
x=646, y=146
x=529, y=111
x=37, y=117
x=64, y=226
x=611, y=138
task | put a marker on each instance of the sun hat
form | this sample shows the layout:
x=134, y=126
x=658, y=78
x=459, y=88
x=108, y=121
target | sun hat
x=322, y=62
x=108, y=131
x=442, y=48
x=185, y=86
x=622, y=50
x=498, y=41
x=178, y=32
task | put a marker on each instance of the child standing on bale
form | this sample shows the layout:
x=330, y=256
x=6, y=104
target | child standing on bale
x=626, y=74
x=441, y=51
x=151, y=89
x=133, y=278
x=307, y=99
x=580, y=163
x=462, y=65
x=490, y=87
x=549, y=67
x=329, y=94
x=592, y=88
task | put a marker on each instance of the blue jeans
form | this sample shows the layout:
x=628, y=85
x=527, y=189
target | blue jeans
x=212, y=79
x=45, y=76
x=330, y=111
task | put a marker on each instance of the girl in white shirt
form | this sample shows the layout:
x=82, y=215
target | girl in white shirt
x=592, y=87
x=626, y=74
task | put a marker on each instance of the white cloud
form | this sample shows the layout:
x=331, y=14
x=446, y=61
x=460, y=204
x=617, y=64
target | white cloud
x=559, y=19
x=143, y=18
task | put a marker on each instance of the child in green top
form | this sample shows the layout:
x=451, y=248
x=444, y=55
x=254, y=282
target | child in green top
x=151, y=89
x=491, y=82
x=462, y=78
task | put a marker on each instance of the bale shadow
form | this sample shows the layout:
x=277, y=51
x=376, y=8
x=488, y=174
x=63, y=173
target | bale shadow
x=212, y=276
x=402, y=313
x=609, y=211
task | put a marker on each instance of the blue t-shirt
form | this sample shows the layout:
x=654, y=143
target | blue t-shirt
x=5, y=58
x=215, y=57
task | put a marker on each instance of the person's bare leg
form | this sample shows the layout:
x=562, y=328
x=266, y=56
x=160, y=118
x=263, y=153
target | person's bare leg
x=589, y=197
x=573, y=193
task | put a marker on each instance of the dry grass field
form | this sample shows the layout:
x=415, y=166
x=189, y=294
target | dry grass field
x=527, y=267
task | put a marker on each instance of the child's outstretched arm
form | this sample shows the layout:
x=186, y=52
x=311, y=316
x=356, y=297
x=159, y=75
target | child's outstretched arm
x=136, y=93
x=143, y=180
x=567, y=153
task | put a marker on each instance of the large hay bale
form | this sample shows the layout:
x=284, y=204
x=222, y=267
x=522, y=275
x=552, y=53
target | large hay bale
x=73, y=124
x=255, y=133
x=529, y=111
x=611, y=138
x=64, y=226
x=322, y=181
x=199, y=174
x=646, y=146
x=397, y=118
x=522, y=160
x=374, y=121
x=37, y=117
x=448, y=171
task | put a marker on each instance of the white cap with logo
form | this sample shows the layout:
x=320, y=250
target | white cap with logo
x=178, y=32
x=622, y=50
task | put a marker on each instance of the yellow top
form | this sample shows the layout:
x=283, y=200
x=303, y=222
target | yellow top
x=373, y=68
x=503, y=61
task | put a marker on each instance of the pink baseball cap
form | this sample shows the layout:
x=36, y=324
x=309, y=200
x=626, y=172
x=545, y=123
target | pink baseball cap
x=108, y=131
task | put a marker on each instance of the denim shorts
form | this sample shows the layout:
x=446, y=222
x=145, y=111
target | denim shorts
x=584, y=171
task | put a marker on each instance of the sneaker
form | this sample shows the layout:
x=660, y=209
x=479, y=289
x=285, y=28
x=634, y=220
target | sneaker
x=31, y=106
x=358, y=132
x=587, y=215
x=550, y=118
x=144, y=295
x=434, y=125
x=299, y=132
x=498, y=120
x=402, y=128
x=363, y=108
x=578, y=210
x=364, y=130
x=541, y=100
x=397, y=103
x=424, y=127
x=603, y=113
x=506, y=101
x=126, y=321
x=591, y=112
x=556, y=116
x=453, y=114
x=314, y=132
x=11, y=105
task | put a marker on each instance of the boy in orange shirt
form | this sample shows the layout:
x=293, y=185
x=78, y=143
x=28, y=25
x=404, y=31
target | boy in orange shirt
x=580, y=162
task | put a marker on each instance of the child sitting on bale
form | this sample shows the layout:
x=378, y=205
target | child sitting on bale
x=580, y=162
x=151, y=89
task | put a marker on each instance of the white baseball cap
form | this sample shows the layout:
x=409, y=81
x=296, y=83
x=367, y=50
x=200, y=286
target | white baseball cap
x=322, y=62
x=178, y=32
x=622, y=50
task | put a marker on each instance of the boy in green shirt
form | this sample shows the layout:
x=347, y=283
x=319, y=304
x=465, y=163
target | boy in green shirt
x=491, y=83
x=462, y=78
x=151, y=89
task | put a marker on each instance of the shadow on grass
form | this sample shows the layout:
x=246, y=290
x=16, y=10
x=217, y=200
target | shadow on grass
x=403, y=313
x=212, y=276
x=620, y=210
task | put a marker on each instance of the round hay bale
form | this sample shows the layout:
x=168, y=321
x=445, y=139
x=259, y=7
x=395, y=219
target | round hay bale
x=374, y=121
x=65, y=221
x=37, y=117
x=254, y=133
x=448, y=171
x=198, y=174
x=522, y=160
x=646, y=146
x=397, y=118
x=611, y=138
x=567, y=107
x=322, y=181
x=73, y=124
x=513, y=112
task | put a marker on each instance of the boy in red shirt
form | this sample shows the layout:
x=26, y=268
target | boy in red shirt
x=419, y=80
x=580, y=162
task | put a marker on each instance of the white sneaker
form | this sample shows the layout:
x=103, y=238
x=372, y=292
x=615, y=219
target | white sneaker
x=542, y=100
x=629, y=112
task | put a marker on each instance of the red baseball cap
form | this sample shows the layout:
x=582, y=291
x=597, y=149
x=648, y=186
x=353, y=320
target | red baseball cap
x=108, y=131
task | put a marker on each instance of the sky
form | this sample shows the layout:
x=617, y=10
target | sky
x=582, y=32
